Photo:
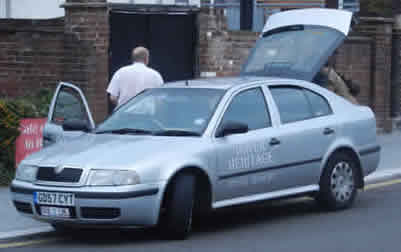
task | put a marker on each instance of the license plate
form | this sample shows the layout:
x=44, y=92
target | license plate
x=55, y=212
x=54, y=198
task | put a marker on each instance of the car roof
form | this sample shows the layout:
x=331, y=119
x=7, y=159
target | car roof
x=218, y=82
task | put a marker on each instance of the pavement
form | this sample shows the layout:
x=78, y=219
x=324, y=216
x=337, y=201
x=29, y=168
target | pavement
x=14, y=225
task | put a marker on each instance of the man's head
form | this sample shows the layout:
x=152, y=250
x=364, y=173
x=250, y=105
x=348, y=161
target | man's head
x=140, y=54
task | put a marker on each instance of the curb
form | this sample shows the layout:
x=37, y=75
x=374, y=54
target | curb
x=383, y=175
x=25, y=233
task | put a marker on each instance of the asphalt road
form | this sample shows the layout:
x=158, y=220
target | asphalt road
x=372, y=225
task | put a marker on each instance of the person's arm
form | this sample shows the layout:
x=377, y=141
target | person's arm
x=340, y=86
x=113, y=88
x=159, y=79
x=113, y=99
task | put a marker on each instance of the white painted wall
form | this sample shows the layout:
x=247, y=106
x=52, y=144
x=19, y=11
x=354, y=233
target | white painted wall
x=45, y=9
x=37, y=9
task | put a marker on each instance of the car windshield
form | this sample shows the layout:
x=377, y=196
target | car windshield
x=293, y=51
x=165, y=111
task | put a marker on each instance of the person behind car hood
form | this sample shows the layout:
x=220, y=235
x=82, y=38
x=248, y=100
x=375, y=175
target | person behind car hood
x=130, y=80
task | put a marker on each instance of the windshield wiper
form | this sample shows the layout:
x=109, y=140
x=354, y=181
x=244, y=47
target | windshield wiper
x=176, y=133
x=126, y=131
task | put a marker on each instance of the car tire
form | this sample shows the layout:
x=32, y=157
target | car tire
x=338, y=183
x=177, y=222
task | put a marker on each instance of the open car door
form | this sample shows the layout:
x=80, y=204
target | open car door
x=297, y=43
x=68, y=105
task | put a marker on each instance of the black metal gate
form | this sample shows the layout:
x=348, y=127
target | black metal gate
x=169, y=32
x=170, y=36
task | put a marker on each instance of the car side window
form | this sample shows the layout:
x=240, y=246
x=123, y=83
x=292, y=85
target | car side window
x=69, y=105
x=319, y=105
x=248, y=107
x=292, y=104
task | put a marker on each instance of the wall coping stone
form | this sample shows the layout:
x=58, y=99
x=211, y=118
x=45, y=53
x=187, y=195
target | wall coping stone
x=85, y=5
x=152, y=8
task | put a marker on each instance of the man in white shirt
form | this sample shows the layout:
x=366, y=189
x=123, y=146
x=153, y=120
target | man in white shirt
x=130, y=80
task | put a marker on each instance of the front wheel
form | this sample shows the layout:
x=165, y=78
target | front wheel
x=338, y=182
x=177, y=222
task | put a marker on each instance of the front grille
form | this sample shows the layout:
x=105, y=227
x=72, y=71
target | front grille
x=67, y=175
x=23, y=207
x=100, y=213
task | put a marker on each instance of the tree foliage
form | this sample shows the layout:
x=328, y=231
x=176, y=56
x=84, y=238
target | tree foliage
x=35, y=105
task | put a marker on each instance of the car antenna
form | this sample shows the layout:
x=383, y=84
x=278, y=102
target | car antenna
x=187, y=83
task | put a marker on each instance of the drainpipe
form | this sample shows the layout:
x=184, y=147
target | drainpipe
x=8, y=8
x=395, y=61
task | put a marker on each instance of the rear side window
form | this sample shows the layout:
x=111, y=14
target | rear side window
x=292, y=104
x=320, y=106
x=297, y=104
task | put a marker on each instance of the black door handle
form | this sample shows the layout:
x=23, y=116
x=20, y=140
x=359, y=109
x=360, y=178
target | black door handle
x=328, y=131
x=274, y=141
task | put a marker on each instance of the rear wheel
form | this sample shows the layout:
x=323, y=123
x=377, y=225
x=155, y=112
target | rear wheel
x=177, y=221
x=338, y=182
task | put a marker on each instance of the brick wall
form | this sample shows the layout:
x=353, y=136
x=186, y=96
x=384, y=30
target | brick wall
x=31, y=55
x=41, y=53
x=377, y=32
x=86, y=51
x=221, y=52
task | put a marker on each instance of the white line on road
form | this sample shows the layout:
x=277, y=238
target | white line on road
x=26, y=243
x=382, y=175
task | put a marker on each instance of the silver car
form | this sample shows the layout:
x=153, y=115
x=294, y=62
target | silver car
x=176, y=152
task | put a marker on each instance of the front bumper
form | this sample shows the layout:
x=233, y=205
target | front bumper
x=137, y=205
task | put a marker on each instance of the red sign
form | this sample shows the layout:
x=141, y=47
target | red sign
x=31, y=138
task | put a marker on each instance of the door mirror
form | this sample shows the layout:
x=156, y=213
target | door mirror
x=230, y=127
x=75, y=125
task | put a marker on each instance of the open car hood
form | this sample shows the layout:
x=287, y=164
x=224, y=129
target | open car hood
x=297, y=43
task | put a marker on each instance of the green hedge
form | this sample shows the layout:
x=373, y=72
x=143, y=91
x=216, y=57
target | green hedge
x=35, y=105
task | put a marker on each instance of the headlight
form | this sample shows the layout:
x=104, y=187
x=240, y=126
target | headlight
x=26, y=173
x=113, y=178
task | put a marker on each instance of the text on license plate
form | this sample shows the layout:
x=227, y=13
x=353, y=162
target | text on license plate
x=55, y=212
x=54, y=198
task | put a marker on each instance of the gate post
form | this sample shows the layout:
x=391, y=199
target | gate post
x=383, y=39
x=396, y=64
x=86, y=51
